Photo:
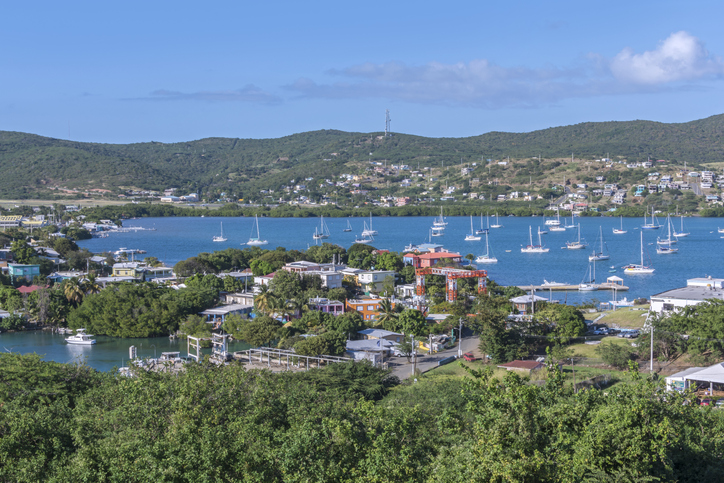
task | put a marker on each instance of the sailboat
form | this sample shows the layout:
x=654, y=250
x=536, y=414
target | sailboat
x=487, y=258
x=543, y=231
x=255, y=240
x=572, y=225
x=668, y=241
x=590, y=285
x=619, y=231
x=482, y=229
x=472, y=236
x=323, y=230
x=368, y=231
x=652, y=225
x=533, y=248
x=349, y=227
x=366, y=237
x=440, y=222
x=636, y=268
x=600, y=255
x=497, y=223
x=557, y=226
x=682, y=233
x=220, y=238
x=552, y=222
x=664, y=246
x=576, y=245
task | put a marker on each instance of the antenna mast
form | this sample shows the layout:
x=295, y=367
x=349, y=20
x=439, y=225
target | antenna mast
x=387, y=123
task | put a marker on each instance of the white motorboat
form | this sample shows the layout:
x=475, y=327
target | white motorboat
x=437, y=231
x=81, y=338
x=682, y=233
x=546, y=283
x=256, y=240
x=472, y=236
x=576, y=245
x=220, y=238
x=622, y=303
x=539, y=248
x=633, y=268
x=620, y=231
x=488, y=257
x=599, y=255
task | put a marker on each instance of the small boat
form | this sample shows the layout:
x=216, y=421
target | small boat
x=633, y=268
x=652, y=225
x=366, y=235
x=590, y=285
x=668, y=241
x=498, y=225
x=720, y=230
x=666, y=250
x=619, y=231
x=488, y=257
x=539, y=248
x=255, y=240
x=622, y=303
x=546, y=283
x=576, y=245
x=220, y=238
x=599, y=255
x=682, y=233
x=81, y=338
x=349, y=227
x=572, y=225
x=439, y=222
x=368, y=231
x=472, y=236
x=482, y=229
x=323, y=230
x=437, y=231
x=555, y=222
x=542, y=232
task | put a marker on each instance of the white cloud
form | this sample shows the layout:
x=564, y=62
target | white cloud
x=681, y=57
x=482, y=83
x=248, y=93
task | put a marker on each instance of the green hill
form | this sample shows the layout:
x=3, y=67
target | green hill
x=35, y=166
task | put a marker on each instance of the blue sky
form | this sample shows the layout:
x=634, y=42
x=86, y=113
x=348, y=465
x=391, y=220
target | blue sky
x=133, y=71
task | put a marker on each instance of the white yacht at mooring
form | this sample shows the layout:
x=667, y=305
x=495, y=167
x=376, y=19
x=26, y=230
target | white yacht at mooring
x=81, y=338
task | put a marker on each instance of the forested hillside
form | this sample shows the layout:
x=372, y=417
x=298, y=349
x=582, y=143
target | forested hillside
x=33, y=164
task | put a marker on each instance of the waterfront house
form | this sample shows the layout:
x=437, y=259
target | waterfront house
x=217, y=315
x=127, y=269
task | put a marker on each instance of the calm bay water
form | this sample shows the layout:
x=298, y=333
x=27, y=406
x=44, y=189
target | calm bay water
x=699, y=254
x=175, y=239
x=107, y=353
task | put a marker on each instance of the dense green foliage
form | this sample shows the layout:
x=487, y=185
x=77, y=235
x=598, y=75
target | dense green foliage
x=139, y=310
x=243, y=167
x=342, y=424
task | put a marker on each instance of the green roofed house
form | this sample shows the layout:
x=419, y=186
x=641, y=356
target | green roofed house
x=18, y=271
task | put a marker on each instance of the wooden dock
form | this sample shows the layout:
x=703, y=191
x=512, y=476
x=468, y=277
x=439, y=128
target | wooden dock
x=572, y=287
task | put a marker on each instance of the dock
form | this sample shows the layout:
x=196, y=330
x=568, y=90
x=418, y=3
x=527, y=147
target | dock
x=572, y=287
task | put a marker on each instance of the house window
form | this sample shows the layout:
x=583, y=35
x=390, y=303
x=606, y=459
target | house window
x=370, y=307
x=669, y=307
x=360, y=308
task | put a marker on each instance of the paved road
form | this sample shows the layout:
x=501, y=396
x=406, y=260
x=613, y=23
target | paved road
x=696, y=188
x=402, y=369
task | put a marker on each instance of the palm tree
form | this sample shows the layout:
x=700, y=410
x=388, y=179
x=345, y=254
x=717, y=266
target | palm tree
x=73, y=291
x=261, y=301
x=388, y=313
x=90, y=286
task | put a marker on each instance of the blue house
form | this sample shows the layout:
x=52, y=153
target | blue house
x=19, y=271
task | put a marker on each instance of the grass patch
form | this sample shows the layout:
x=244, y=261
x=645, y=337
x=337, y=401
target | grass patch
x=625, y=317
x=589, y=351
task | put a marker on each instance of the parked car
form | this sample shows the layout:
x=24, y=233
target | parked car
x=705, y=402
x=468, y=356
x=398, y=353
x=629, y=334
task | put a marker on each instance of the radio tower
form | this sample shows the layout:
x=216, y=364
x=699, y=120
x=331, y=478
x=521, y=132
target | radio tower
x=387, y=123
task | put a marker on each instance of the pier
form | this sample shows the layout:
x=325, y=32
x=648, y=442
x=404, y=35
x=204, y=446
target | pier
x=573, y=287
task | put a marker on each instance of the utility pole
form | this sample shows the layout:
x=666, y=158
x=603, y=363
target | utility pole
x=573, y=365
x=651, y=362
x=460, y=339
